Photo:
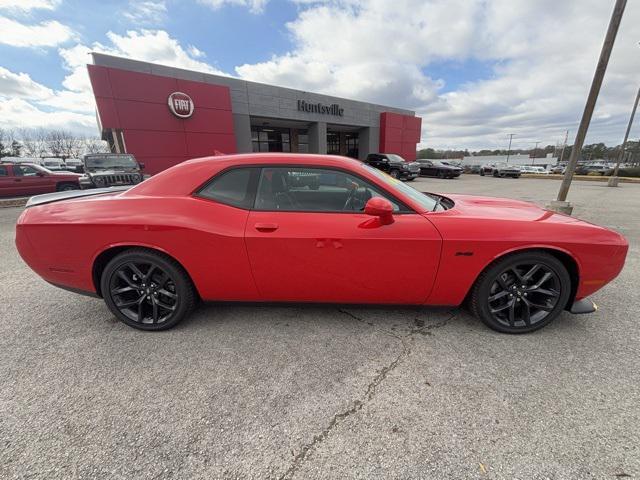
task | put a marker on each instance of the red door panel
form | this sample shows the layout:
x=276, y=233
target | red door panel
x=334, y=257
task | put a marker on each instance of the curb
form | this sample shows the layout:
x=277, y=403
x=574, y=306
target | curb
x=13, y=202
x=586, y=178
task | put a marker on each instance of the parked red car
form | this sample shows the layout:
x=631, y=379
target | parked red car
x=312, y=228
x=21, y=179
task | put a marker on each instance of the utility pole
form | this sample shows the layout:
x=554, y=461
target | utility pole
x=535, y=149
x=613, y=181
x=564, y=145
x=509, y=150
x=561, y=204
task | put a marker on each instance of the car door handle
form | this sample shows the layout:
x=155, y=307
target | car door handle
x=266, y=227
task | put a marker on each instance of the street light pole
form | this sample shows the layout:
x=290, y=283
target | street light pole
x=613, y=181
x=535, y=149
x=509, y=150
x=561, y=204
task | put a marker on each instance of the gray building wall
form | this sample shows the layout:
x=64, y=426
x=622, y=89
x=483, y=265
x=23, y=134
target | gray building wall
x=252, y=99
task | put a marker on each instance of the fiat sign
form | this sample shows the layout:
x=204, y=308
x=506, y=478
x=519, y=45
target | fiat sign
x=180, y=104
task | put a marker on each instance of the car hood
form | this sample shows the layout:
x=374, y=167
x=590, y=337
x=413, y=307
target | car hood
x=505, y=208
x=111, y=171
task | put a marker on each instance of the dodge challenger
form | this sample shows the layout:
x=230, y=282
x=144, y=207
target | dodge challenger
x=312, y=228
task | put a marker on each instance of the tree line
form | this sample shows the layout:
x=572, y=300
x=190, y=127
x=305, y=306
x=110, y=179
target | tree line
x=41, y=142
x=595, y=151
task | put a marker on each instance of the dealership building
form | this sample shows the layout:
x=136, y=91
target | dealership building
x=165, y=115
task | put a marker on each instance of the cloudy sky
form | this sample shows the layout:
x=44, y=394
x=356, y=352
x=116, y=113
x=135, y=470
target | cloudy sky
x=475, y=70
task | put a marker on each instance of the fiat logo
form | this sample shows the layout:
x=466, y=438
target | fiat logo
x=180, y=104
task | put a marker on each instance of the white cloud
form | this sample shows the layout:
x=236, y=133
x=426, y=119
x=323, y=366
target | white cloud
x=18, y=113
x=542, y=55
x=146, y=12
x=254, y=6
x=45, y=34
x=28, y=5
x=20, y=85
x=26, y=103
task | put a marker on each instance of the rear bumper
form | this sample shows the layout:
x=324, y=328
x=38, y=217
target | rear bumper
x=583, y=306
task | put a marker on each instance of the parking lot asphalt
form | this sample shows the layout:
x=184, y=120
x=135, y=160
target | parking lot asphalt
x=264, y=391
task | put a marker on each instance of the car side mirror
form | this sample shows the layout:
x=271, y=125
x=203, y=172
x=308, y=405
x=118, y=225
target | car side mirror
x=41, y=174
x=381, y=208
x=141, y=165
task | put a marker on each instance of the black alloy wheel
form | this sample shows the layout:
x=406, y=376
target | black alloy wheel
x=522, y=292
x=147, y=290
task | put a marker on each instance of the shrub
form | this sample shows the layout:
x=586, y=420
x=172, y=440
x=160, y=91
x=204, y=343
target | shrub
x=627, y=172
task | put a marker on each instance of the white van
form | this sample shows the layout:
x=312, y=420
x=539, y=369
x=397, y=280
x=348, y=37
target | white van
x=53, y=164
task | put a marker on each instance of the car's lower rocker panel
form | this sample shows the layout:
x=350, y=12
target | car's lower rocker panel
x=583, y=306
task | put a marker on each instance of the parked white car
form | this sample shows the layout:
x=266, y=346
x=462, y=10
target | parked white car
x=534, y=170
x=53, y=164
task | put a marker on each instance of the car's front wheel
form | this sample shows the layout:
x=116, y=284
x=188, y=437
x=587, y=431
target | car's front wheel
x=521, y=292
x=394, y=173
x=147, y=290
x=65, y=187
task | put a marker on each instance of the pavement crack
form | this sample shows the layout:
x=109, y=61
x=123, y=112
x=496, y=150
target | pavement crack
x=356, y=405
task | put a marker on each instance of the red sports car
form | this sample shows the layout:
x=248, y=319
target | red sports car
x=312, y=228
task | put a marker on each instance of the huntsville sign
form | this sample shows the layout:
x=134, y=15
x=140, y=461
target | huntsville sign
x=333, y=109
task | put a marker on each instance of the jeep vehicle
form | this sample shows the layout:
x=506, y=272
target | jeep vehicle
x=394, y=165
x=110, y=169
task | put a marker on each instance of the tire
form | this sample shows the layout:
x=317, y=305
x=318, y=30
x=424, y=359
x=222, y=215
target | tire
x=66, y=187
x=498, y=300
x=441, y=174
x=496, y=174
x=394, y=174
x=154, y=303
x=482, y=173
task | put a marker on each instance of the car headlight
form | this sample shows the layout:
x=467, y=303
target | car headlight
x=405, y=166
x=99, y=180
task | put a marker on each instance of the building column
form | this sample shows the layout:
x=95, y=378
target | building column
x=368, y=141
x=318, y=137
x=242, y=130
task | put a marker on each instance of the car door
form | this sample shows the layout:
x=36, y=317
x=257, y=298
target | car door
x=317, y=245
x=32, y=181
x=7, y=184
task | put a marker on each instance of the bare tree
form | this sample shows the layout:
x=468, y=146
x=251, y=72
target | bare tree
x=33, y=142
x=95, y=145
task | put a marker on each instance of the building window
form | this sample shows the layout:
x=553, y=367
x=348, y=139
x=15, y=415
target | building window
x=333, y=143
x=352, y=145
x=264, y=139
x=303, y=141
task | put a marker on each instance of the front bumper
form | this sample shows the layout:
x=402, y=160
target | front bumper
x=583, y=306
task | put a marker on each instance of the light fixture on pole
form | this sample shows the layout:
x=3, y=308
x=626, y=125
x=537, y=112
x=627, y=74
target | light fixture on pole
x=613, y=181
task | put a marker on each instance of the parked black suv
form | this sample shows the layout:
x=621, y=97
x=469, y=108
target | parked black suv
x=394, y=165
x=436, y=168
x=109, y=169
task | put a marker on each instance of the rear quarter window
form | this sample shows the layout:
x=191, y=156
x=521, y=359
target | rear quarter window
x=234, y=187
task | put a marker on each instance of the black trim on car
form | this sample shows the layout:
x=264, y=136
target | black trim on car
x=404, y=209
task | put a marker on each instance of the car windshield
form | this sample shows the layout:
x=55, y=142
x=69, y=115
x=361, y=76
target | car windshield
x=393, y=156
x=426, y=201
x=111, y=161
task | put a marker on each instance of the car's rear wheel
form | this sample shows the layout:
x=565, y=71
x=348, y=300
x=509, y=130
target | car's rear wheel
x=147, y=290
x=65, y=187
x=441, y=174
x=521, y=292
x=482, y=173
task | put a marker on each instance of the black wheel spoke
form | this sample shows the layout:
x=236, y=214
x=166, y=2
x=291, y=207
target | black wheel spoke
x=121, y=290
x=165, y=305
x=529, y=275
x=134, y=268
x=546, y=308
x=545, y=291
x=167, y=293
x=155, y=311
x=124, y=277
x=512, y=313
x=141, y=308
x=519, y=278
x=498, y=296
x=130, y=303
x=526, y=313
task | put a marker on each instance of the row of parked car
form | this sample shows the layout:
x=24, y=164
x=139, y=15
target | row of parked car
x=20, y=178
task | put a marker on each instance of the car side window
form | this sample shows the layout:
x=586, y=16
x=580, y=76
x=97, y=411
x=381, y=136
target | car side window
x=315, y=190
x=24, y=171
x=234, y=187
x=3, y=171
